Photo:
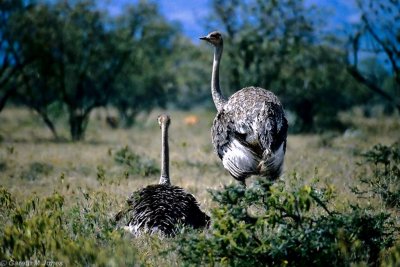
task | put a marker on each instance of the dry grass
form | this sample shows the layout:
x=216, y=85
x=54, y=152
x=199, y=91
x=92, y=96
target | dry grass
x=32, y=163
x=193, y=163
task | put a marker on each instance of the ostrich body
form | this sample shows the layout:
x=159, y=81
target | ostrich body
x=160, y=208
x=250, y=128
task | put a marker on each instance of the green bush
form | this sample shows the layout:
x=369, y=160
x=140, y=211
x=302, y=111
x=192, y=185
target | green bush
x=272, y=226
x=383, y=177
x=136, y=164
x=43, y=229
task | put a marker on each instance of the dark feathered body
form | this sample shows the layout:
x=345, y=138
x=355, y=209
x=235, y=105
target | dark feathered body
x=162, y=208
x=249, y=134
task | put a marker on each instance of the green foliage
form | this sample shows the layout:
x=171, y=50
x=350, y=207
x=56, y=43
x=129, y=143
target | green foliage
x=44, y=229
x=277, y=226
x=193, y=66
x=136, y=164
x=383, y=180
x=74, y=57
x=146, y=79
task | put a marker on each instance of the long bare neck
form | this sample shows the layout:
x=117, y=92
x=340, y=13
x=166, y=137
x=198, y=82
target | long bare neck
x=218, y=98
x=164, y=178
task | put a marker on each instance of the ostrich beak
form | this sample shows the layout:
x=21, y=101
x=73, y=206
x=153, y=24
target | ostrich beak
x=204, y=38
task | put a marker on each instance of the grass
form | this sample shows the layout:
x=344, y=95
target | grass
x=32, y=164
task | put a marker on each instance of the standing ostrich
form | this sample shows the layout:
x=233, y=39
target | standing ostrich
x=250, y=128
x=160, y=208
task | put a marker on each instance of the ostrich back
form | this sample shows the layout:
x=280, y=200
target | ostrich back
x=161, y=208
x=249, y=134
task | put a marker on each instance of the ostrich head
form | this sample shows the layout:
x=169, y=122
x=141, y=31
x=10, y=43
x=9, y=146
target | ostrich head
x=163, y=119
x=214, y=38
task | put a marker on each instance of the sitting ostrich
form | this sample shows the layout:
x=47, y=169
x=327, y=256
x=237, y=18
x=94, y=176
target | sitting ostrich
x=160, y=208
x=250, y=128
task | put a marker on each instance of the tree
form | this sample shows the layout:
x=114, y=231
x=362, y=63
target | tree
x=33, y=31
x=88, y=61
x=191, y=63
x=11, y=59
x=70, y=55
x=68, y=46
x=146, y=80
x=18, y=75
x=76, y=60
x=377, y=35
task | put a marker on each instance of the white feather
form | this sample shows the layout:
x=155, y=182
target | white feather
x=273, y=163
x=239, y=158
x=277, y=161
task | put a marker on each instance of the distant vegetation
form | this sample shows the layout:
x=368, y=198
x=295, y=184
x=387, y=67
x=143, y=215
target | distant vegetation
x=63, y=59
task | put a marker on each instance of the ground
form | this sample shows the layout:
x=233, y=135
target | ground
x=33, y=163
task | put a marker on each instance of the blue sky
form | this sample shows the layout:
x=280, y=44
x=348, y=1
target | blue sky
x=190, y=13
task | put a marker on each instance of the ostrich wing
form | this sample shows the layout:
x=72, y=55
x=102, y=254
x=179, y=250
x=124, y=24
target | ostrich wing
x=249, y=134
x=255, y=118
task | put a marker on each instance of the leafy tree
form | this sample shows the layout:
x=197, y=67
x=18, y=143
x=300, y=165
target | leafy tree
x=377, y=35
x=83, y=59
x=87, y=61
x=11, y=59
x=145, y=80
x=34, y=32
x=67, y=47
x=191, y=64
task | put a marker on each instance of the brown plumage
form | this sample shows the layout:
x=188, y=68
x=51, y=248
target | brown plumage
x=250, y=128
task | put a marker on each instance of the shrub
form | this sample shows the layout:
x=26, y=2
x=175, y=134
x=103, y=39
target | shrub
x=270, y=225
x=136, y=164
x=43, y=229
x=383, y=177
